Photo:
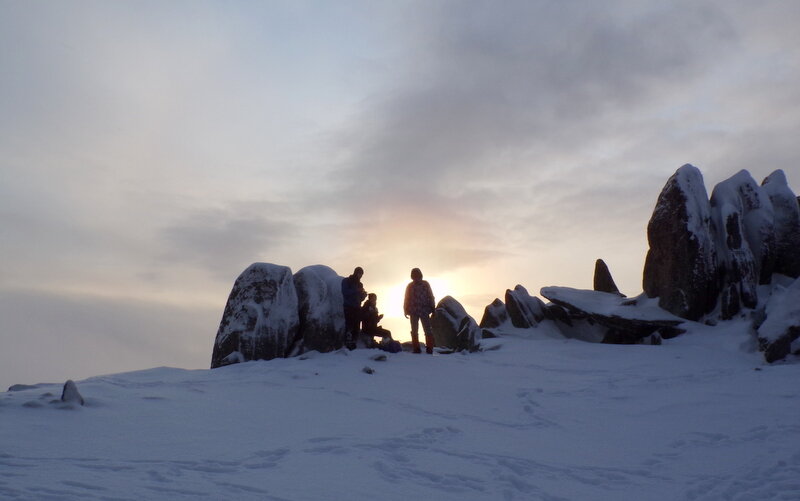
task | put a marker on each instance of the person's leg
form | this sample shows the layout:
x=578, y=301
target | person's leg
x=351, y=320
x=415, y=333
x=426, y=327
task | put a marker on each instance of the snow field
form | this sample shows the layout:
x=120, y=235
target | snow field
x=699, y=417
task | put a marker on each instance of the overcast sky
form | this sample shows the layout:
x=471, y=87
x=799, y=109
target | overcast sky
x=150, y=151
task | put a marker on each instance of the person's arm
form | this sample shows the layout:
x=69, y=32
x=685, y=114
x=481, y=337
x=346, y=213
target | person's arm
x=407, y=300
x=431, y=299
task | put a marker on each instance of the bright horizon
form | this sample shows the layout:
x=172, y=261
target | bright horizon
x=150, y=152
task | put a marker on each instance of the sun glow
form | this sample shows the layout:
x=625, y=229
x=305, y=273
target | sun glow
x=390, y=304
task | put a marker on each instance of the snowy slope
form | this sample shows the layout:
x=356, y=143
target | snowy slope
x=699, y=417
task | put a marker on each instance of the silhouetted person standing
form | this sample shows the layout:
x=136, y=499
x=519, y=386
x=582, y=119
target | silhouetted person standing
x=419, y=304
x=352, y=294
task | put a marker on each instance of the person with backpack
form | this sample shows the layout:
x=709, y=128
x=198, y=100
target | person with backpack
x=419, y=303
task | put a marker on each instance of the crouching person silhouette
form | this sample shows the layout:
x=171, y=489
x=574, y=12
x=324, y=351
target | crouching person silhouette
x=370, y=328
x=419, y=304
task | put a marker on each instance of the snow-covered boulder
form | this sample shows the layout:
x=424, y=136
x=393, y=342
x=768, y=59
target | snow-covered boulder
x=603, y=281
x=781, y=328
x=453, y=327
x=70, y=393
x=756, y=216
x=494, y=315
x=320, y=310
x=260, y=319
x=681, y=266
x=524, y=310
x=624, y=321
x=741, y=244
x=786, y=222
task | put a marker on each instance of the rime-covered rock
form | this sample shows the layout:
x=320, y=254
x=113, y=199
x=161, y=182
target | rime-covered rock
x=524, y=310
x=786, y=222
x=260, y=319
x=781, y=327
x=494, y=315
x=745, y=240
x=70, y=393
x=320, y=310
x=623, y=321
x=681, y=266
x=603, y=281
x=453, y=327
x=756, y=217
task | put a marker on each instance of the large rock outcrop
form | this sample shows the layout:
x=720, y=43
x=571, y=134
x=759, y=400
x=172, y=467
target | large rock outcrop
x=745, y=241
x=453, y=327
x=261, y=316
x=524, y=310
x=786, y=223
x=681, y=264
x=320, y=311
x=623, y=321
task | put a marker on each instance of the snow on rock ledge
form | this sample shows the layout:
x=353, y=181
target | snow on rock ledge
x=626, y=320
x=260, y=319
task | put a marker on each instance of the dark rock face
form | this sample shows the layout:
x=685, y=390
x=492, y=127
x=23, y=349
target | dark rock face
x=320, y=310
x=260, y=319
x=680, y=268
x=453, y=327
x=602, y=278
x=523, y=310
x=624, y=321
x=786, y=223
x=494, y=315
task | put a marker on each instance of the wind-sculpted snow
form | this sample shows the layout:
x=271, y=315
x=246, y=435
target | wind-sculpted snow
x=539, y=417
x=260, y=319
